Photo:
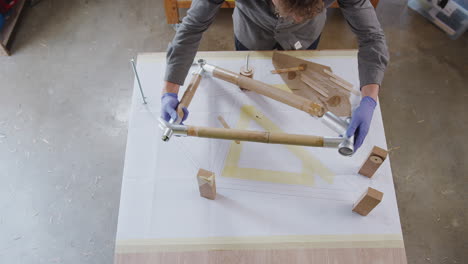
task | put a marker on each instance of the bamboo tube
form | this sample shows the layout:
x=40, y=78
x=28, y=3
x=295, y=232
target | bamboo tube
x=255, y=136
x=294, y=139
x=188, y=96
x=225, y=125
x=274, y=93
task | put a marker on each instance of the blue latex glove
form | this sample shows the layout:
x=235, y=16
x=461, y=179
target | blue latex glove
x=169, y=103
x=361, y=120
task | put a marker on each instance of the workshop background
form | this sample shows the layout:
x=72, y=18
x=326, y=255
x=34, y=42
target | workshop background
x=65, y=96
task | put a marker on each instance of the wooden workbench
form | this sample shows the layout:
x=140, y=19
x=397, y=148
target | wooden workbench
x=172, y=8
x=275, y=204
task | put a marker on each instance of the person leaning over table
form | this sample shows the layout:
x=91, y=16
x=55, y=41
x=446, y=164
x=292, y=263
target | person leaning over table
x=282, y=25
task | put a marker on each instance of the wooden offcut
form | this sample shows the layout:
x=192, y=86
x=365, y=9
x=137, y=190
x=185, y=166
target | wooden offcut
x=345, y=86
x=312, y=84
x=338, y=77
x=368, y=201
x=335, y=99
x=292, y=69
x=206, y=184
x=373, y=161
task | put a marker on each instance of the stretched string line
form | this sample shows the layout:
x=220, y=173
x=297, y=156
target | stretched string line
x=187, y=154
x=291, y=188
x=180, y=146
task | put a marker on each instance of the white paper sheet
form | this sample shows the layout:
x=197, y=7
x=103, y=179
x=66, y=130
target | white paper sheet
x=160, y=197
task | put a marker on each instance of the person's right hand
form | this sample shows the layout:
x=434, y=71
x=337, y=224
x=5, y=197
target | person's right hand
x=169, y=103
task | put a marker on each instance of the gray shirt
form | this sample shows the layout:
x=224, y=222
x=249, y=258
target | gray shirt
x=257, y=27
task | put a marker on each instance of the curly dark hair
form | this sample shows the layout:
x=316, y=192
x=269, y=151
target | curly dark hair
x=304, y=9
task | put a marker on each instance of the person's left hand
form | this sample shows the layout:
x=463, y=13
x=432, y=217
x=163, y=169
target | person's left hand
x=361, y=120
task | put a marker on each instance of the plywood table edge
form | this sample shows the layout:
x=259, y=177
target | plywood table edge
x=263, y=242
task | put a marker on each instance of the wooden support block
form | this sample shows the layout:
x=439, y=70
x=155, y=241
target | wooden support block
x=247, y=73
x=225, y=125
x=312, y=84
x=206, y=184
x=292, y=69
x=373, y=162
x=368, y=201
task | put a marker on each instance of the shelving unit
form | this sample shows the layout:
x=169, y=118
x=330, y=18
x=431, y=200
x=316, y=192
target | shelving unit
x=7, y=30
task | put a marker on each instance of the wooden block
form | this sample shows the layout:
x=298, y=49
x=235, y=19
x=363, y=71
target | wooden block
x=368, y=201
x=338, y=101
x=373, y=162
x=206, y=184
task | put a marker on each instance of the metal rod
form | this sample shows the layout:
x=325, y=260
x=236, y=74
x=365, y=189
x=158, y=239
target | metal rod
x=138, y=80
x=247, y=62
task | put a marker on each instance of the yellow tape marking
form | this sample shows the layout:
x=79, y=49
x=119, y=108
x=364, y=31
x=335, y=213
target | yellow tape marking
x=310, y=165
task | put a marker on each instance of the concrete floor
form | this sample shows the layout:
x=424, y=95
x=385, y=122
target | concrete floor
x=64, y=102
